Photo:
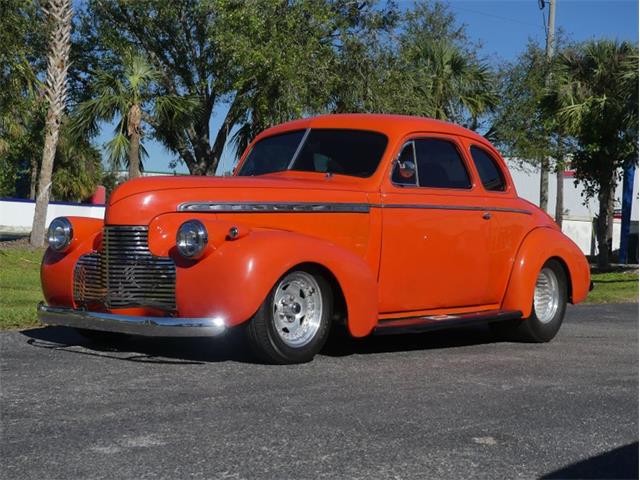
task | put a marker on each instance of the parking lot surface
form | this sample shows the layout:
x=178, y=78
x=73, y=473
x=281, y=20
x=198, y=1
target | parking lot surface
x=455, y=404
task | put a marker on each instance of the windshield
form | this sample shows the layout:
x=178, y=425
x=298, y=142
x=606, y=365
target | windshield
x=344, y=152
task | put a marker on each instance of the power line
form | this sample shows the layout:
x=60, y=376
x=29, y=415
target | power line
x=499, y=17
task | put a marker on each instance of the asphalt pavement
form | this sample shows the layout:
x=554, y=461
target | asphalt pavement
x=455, y=404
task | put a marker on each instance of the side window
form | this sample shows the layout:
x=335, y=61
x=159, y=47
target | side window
x=440, y=164
x=404, y=170
x=490, y=174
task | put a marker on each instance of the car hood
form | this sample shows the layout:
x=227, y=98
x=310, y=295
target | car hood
x=137, y=201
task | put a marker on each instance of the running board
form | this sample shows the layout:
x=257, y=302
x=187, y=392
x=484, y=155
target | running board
x=436, y=322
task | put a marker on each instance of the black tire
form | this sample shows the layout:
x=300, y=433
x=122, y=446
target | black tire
x=99, y=337
x=262, y=334
x=532, y=329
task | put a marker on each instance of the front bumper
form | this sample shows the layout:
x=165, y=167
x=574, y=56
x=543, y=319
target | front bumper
x=148, y=326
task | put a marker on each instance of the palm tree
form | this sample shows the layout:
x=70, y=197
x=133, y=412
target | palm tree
x=127, y=93
x=595, y=98
x=78, y=167
x=59, y=13
x=454, y=84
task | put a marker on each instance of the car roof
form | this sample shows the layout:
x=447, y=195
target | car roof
x=391, y=125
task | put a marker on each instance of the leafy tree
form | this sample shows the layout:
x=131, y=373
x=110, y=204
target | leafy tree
x=175, y=38
x=595, y=98
x=22, y=109
x=59, y=14
x=251, y=63
x=77, y=168
x=419, y=63
x=442, y=70
x=523, y=126
x=256, y=63
x=127, y=94
x=283, y=57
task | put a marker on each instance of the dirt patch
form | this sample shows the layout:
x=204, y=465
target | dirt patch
x=18, y=244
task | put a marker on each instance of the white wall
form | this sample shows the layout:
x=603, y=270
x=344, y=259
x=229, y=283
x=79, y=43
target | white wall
x=578, y=214
x=16, y=216
x=527, y=181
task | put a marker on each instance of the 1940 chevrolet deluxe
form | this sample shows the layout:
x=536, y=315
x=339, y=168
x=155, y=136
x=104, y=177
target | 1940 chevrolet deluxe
x=384, y=223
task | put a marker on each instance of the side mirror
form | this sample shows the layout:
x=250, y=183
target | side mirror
x=406, y=169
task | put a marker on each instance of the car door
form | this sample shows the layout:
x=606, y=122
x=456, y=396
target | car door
x=509, y=225
x=435, y=231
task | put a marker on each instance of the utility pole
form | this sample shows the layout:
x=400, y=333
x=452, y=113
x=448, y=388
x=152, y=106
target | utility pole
x=544, y=164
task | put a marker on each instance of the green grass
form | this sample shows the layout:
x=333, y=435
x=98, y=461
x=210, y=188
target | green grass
x=20, y=287
x=614, y=288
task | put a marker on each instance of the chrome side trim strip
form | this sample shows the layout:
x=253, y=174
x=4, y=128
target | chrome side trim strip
x=458, y=207
x=148, y=326
x=313, y=207
x=286, y=207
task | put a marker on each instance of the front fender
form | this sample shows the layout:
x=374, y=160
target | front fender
x=56, y=270
x=234, y=276
x=540, y=245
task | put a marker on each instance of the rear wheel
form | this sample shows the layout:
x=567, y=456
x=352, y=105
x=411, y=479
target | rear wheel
x=293, y=322
x=549, y=305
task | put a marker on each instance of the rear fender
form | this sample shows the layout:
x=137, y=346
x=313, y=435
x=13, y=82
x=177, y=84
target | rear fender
x=540, y=245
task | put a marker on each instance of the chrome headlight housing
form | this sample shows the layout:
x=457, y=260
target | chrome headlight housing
x=60, y=234
x=192, y=239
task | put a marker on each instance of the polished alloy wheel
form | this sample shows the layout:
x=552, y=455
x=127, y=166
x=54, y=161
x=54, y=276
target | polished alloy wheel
x=546, y=298
x=297, y=309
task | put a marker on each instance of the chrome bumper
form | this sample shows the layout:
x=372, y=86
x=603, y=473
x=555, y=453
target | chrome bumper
x=149, y=326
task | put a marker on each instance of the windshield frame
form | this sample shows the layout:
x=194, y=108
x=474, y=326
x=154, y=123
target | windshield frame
x=299, y=148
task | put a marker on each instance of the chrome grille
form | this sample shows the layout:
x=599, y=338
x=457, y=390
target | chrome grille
x=130, y=275
x=88, y=287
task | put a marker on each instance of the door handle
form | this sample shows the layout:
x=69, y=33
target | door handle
x=486, y=216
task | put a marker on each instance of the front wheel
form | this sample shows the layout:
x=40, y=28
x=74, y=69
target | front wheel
x=293, y=322
x=549, y=305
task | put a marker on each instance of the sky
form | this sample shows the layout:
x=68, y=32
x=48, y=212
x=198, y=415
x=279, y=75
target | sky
x=501, y=28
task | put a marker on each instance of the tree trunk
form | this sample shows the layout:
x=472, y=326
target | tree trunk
x=133, y=122
x=134, y=155
x=602, y=226
x=34, y=178
x=544, y=184
x=610, y=211
x=559, y=195
x=59, y=13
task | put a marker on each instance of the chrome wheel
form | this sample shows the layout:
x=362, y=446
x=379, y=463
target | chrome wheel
x=297, y=309
x=546, y=298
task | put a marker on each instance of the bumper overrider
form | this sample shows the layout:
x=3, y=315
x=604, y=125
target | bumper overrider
x=130, y=324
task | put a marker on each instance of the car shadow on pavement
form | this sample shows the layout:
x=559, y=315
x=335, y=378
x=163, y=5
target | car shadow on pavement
x=621, y=462
x=231, y=347
x=163, y=350
x=341, y=344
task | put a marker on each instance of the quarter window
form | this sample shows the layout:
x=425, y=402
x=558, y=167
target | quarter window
x=490, y=174
x=440, y=164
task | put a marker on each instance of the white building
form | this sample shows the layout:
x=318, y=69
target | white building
x=578, y=214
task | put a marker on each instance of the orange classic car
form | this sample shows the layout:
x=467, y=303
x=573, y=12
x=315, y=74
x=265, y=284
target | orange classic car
x=380, y=223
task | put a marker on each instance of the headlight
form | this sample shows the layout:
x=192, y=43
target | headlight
x=60, y=234
x=191, y=239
